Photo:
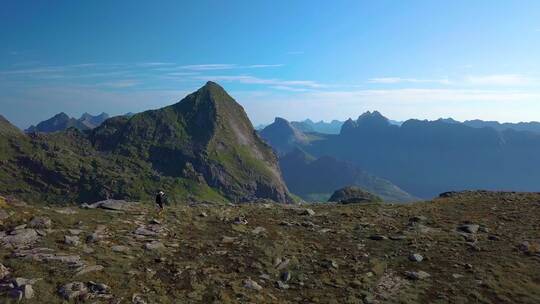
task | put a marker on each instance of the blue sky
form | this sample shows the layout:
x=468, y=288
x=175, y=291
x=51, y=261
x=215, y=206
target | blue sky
x=295, y=59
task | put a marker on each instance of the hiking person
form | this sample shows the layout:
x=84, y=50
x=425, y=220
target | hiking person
x=160, y=201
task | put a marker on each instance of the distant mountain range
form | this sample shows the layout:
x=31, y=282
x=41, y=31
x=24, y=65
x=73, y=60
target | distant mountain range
x=334, y=127
x=62, y=121
x=532, y=126
x=425, y=158
x=202, y=148
x=315, y=179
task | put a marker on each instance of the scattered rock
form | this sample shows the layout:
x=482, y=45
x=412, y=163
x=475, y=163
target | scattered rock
x=469, y=228
x=75, y=231
x=417, y=275
x=154, y=245
x=145, y=232
x=416, y=257
x=88, y=269
x=331, y=264
x=120, y=248
x=282, y=285
x=203, y=214
x=282, y=264
x=418, y=219
x=529, y=248
x=28, y=291
x=378, y=237
x=115, y=205
x=72, y=240
x=240, y=220
x=40, y=222
x=4, y=271
x=228, y=240
x=250, y=284
x=3, y=214
x=94, y=237
x=20, y=237
x=137, y=299
x=155, y=221
x=399, y=237
x=20, y=282
x=308, y=212
x=73, y=290
x=97, y=287
x=258, y=230
x=20, y=227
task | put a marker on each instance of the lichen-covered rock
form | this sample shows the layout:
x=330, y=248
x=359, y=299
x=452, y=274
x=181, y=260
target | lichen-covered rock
x=349, y=195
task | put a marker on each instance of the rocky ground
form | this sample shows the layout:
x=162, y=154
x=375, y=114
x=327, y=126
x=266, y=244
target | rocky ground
x=474, y=247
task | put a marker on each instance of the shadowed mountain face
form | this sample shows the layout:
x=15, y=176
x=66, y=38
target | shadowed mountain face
x=308, y=125
x=93, y=121
x=315, y=179
x=429, y=157
x=283, y=136
x=202, y=147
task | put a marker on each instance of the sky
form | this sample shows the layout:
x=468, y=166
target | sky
x=321, y=60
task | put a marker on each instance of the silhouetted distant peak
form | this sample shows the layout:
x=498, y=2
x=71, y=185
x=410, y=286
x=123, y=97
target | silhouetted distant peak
x=61, y=115
x=448, y=120
x=373, y=117
x=279, y=120
x=348, y=126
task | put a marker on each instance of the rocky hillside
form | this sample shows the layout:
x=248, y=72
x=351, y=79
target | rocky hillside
x=476, y=247
x=201, y=148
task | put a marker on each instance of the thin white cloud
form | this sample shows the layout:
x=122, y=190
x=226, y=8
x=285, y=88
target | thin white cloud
x=256, y=80
x=208, y=67
x=288, y=88
x=500, y=80
x=119, y=84
x=258, y=66
x=394, y=80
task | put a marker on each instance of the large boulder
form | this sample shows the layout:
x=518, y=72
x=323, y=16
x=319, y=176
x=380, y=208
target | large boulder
x=349, y=195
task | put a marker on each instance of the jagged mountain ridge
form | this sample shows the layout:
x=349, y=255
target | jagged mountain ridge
x=62, y=121
x=202, y=147
x=428, y=157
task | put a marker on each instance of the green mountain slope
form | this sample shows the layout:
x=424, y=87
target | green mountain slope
x=203, y=147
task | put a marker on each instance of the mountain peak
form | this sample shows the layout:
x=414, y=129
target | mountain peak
x=283, y=121
x=372, y=116
x=207, y=132
x=282, y=135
